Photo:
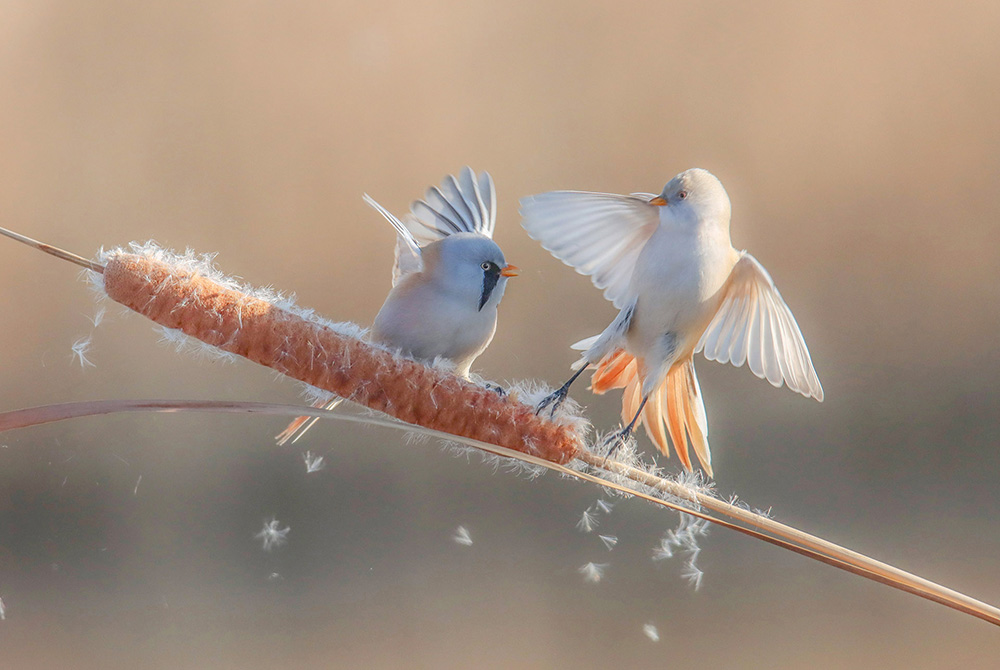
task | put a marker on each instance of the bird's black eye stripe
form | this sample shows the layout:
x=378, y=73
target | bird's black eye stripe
x=490, y=280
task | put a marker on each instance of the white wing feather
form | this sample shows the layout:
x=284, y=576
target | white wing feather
x=597, y=234
x=754, y=325
x=463, y=205
x=408, y=258
x=488, y=191
x=466, y=204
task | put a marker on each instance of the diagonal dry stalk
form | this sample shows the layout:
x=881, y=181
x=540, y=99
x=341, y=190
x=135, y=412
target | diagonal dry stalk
x=741, y=520
x=55, y=251
x=865, y=565
x=313, y=352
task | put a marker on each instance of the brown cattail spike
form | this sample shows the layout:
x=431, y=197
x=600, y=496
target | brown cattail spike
x=318, y=355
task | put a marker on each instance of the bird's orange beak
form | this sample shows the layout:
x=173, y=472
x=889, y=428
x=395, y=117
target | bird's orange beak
x=510, y=271
x=658, y=201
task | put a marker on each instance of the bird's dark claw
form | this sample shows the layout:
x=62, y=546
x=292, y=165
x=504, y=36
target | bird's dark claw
x=496, y=388
x=553, y=401
x=616, y=440
x=558, y=397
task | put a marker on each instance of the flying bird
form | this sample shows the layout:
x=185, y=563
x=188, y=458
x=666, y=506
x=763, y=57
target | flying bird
x=447, y=281
x=667, y=263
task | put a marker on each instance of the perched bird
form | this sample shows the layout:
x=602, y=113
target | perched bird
x=447, y=281
x=667, y=263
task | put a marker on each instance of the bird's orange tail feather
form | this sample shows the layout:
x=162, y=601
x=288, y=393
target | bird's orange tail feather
x=674, y=407
x=613, y=372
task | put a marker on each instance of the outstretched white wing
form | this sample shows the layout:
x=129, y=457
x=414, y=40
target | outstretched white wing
x=466, y=204
x=597, y=234
x=754, y=325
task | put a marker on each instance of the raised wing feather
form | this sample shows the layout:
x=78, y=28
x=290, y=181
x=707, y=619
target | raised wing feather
x=597, y=234
x=408, y=257
x=463, y=204
x=754, y=325
x=488, y=191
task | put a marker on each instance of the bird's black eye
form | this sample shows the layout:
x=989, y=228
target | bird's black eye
x=682, y=194
x=486, y=265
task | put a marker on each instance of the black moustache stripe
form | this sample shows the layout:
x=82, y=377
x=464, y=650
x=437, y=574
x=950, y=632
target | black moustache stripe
x=490, y=279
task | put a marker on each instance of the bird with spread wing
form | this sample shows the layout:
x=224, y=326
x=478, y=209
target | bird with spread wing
x=667, y=263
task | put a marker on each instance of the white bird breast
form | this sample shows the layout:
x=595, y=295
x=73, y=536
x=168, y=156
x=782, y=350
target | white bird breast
x=677, y=278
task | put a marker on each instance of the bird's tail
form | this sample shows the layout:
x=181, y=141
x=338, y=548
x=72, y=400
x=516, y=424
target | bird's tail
x=299, y=426
x=674, y=407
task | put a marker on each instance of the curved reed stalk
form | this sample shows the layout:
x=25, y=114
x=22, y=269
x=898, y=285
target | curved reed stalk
x=439, y=403
x=740, y=520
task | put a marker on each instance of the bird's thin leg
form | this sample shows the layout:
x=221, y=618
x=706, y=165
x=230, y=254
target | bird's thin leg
x=557, y=397
x=617, y=439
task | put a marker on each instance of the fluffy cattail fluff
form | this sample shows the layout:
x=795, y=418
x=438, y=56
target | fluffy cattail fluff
x=263, y=327
x=179, y=296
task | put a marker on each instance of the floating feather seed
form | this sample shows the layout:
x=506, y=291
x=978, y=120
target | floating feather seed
x=317, y=355
x=646, y=485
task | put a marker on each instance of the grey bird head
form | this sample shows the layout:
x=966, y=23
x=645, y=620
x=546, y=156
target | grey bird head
x=470, y=267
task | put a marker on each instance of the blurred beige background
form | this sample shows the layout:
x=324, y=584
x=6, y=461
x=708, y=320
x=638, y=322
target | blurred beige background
x=860, y=144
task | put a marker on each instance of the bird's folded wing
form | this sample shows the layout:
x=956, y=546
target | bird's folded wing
x=466, y=204
x=597, y=234
x=754, y=325
x=408, y=257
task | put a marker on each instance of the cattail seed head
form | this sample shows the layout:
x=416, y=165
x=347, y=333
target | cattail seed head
x=310, y=351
